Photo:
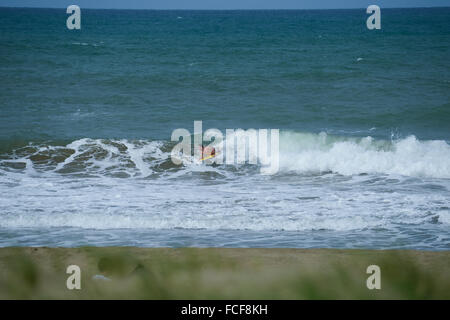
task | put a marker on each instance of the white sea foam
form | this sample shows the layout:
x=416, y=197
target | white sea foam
x=237, y=205
x=310, y=153
x=406, y=185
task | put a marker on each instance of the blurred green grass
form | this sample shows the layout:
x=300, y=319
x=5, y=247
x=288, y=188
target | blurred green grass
x=219, y=273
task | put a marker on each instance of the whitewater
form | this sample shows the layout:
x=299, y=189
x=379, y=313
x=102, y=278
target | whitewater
x=330, y=191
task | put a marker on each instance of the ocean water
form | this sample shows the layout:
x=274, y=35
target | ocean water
x=86, y=118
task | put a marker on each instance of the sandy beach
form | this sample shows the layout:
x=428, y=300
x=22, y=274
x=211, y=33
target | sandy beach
x=218, y=273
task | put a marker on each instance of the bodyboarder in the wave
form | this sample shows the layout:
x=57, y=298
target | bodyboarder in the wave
x=208, y=152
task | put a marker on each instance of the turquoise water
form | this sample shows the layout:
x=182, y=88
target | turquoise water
x=86, y=120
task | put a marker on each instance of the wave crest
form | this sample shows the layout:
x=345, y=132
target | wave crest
x=301, y=153
x=315, y=153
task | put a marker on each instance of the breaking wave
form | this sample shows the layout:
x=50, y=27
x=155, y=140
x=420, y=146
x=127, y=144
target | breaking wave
x=317, y=153
x=301, y=153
